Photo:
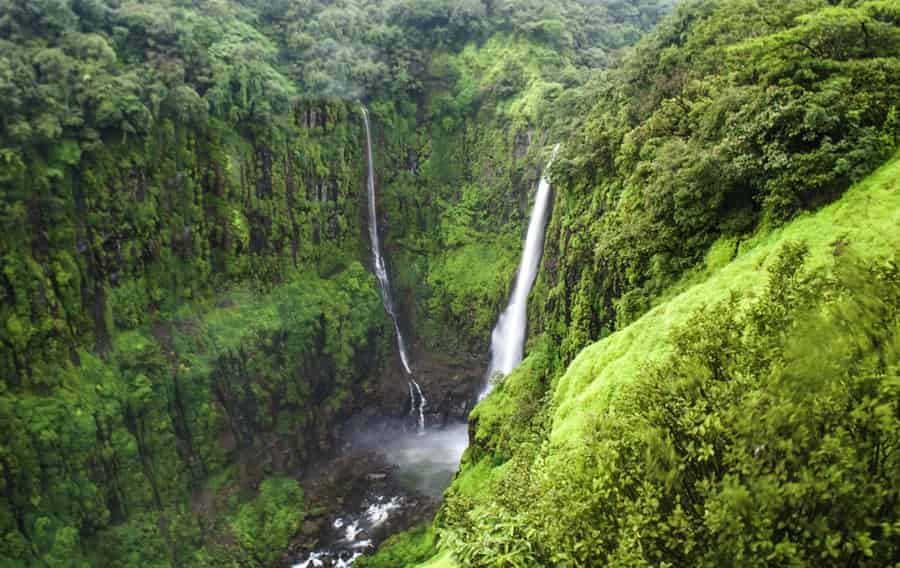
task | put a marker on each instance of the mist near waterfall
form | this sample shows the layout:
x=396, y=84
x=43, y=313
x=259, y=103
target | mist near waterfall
x=425, y=463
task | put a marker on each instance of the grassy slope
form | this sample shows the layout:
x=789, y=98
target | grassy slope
x=867, y=218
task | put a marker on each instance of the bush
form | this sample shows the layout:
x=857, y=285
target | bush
x=265, y=526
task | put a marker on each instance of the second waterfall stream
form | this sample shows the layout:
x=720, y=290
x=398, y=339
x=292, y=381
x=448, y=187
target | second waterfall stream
x=417, y=398
x=508, y=337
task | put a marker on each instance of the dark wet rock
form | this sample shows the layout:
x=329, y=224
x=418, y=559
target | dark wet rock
x=450, y=385
x=354, y=494
x=309, y=528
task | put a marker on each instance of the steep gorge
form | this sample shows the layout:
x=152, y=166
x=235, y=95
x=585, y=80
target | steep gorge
x=194, y=329
x=189, y=281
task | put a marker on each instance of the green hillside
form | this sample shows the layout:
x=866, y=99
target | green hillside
x=866, y=221
x=505, y=470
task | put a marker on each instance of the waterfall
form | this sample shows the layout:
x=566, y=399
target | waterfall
x=422, y=403
x=508, y=337
x=382, y=275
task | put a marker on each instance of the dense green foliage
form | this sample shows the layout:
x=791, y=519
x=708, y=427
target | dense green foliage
x=126, y=441
x=768, y=437
x=764, y=428
x=461, y=94
x=153, y=157
x=264, y=527
x=151, y=154
x=183, y=308
x=408, y=548
x=356, y=48
x=185, y=311
x=729, y=115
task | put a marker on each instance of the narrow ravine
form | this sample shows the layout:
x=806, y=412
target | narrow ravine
x=411, y=469
x=416, y=466
x=508, y=337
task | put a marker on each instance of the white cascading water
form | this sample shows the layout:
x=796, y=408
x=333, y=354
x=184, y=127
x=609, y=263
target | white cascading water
x=422, y=403
x=508, y=337
x=382, y=275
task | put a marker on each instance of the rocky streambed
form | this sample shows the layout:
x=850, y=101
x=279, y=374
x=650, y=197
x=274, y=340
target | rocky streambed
x=383, y=481
x=384, y=474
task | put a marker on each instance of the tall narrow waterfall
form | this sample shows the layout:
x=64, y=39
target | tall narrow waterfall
x=508, y=337
x=383, y=282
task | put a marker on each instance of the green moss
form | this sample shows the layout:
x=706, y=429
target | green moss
x=474, y=479
x=511, y=416
x=264, y=526
x=511, y=71
x=468, y=284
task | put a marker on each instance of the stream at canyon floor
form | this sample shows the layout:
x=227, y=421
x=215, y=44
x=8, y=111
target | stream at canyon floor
x=385, y=481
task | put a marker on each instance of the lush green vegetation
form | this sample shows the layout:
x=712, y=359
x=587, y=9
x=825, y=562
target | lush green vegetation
x=264, y=527
x=729, y=116
x=755, y=444
x=730, y=419
x=161, y=177
x=197, y=408
x=185, y=312
x=723, y=415
x=408, y=548
x=463, y=145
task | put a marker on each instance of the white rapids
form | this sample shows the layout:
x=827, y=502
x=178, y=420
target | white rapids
x=353, y=533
